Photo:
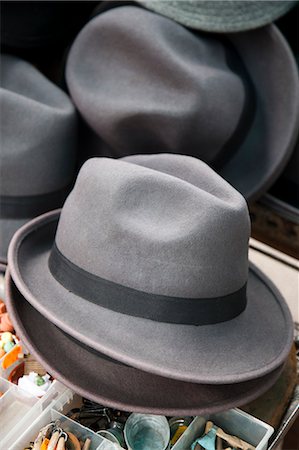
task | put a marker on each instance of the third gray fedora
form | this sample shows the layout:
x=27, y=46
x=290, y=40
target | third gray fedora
x=147, y=263
x=38, y=146
x=145, y=84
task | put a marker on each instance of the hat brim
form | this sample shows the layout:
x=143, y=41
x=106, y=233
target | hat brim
x=116, y=385
x=8, y=227
x=272, y=136
x=220, y=17
x=247, y=347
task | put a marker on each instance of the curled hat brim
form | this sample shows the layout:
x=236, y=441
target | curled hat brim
x=221, y=16
x=8, y=227
x=272, y=136
x=116, y=385
x=247, y=347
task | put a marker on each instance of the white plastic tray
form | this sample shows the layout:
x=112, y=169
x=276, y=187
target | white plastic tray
x=234, y=422
x=18, y=410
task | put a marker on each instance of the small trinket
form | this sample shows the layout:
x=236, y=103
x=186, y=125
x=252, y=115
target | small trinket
x=114, y=433
x=8, y=346
x=7, y=337
x=87, y=444
x=39, y=381
x=45, y=444
x=178, y=425
x=35, y=384
x=5, y=323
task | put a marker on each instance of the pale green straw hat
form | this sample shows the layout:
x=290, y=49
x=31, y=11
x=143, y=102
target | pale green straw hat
x=220, y=16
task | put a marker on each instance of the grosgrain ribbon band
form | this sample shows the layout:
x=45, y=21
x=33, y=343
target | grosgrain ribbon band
x=18, y=207
x=160, y=308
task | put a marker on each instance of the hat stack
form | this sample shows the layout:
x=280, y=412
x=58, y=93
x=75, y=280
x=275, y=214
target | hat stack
x=140, y=288
x=141, y=284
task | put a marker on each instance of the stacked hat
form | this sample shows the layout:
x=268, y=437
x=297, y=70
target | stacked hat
x=141, y=284
x=38, y=146
x=146, y=84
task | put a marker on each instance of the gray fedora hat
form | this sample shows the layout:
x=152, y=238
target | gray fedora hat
x=149, y=266
x=221, y=16
x=111, y=383
x=38, y=146
x=145, y=84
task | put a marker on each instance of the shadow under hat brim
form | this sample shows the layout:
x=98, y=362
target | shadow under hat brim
x=247, y=347
x=116, y=385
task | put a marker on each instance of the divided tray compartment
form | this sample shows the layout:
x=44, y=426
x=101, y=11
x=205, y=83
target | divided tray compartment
x=5, y=386
x=18, y=409
x=97, y=441
x=15, y=405
x=234, y=422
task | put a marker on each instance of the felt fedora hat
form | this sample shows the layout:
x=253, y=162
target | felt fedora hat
x=145, y=84
x=108, y=382
x=38, y=146
x=221, y=16
x=147, y=263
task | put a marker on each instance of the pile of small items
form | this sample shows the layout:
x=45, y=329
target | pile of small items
x=53, y=437
x=110, y=424
x=215, y=438
x=7, y=342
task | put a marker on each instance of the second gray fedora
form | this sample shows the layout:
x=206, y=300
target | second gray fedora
x=147, y=263
x=145, y=84
x=38, y=146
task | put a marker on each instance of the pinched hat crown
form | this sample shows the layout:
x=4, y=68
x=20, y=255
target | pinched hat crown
x=164, y=225
x=160, y=88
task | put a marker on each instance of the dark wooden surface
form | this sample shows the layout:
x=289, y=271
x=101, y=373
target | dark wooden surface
x=272, y=229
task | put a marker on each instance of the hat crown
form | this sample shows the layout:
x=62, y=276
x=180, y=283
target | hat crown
x=177, y=231
x=172, y=90
x=38, y=131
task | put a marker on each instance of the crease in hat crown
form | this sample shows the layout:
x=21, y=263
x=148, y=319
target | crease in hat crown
x=160, y=90
x=154, y=231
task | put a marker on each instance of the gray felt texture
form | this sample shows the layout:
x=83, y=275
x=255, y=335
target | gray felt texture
x=221, y=16
x=181, y=215
x=8, y=227
x=157, y=232
x=38, y=137
x=110, y=383
x=163, y=88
